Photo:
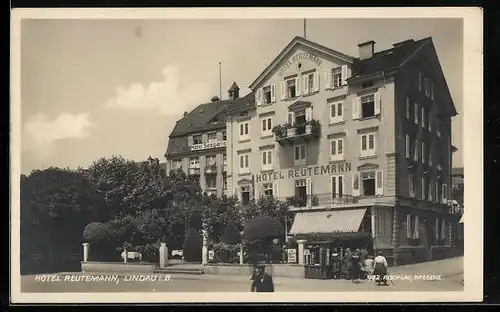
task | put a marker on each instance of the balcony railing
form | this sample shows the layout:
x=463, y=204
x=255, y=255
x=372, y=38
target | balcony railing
x=211, y=168
x=293, y=133
x=317, y=200
x=194, y=171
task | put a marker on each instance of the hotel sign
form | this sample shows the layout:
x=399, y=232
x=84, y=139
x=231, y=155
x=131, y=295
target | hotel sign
x=297, y=57
x=209, y=145
x=303, y=172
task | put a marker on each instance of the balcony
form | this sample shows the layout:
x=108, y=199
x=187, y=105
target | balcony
x=297, y=133
x=194, y=171
x=321, y=200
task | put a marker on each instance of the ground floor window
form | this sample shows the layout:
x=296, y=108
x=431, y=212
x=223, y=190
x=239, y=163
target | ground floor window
x=268, y=189
x=245, y=195
x=211, y=180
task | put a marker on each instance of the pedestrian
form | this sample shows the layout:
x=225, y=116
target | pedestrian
x=380, y=269
x=262, y=282
x=336, y=264
x=363, y=254
x=368, y=266
x=348, y=262
x=355, y=266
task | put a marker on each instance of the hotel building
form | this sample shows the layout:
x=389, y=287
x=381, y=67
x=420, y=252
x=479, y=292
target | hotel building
x=197, y=144
x=359, y=144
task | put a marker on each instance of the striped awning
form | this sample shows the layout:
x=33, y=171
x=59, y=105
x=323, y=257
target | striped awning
x=333, y=221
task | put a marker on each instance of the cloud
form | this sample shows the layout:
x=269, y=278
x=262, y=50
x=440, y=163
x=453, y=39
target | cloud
x=65, y=126
x=169, y=96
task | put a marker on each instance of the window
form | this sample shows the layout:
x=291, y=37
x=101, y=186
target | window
x=210, y=160
x=432, y=91
x=301, y=192
x=267, y=95
x=416, y=155
x=368, y=183
x=420, y=81
x=423, y=117
x=444, y=193
x=267, y=126
x=425, y=189
x=439, y=126
x=410, y=147
x=337, y=149
x=415, y=113
x=337, y=77
x=336, y=112
x=291, y=88
x=194, y=162
x=337, y=186
x=244, y=133
x=176, y=164
x=245, y=195
x=310, y=83
x=211, y=181
x=224, y=183
x=430, y=120
x=224, y=136
x=367, y=106
x=224, y=159
x=431, y=190
x=368, y=144
x=439, y=156
x=429, y=88
x=267, y=189
x=244, y=167
x=411, y=185
x=408, y=108
x=430, y=156
x=300, y=117
x=267, y=160
x=212, y=137
x=412, y=227
x=197, y=139
x=299, y=155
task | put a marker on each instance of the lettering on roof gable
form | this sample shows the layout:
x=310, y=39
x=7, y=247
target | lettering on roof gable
x=297, y=57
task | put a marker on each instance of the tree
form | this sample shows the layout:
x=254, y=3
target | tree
x=192, y=246
x=231, y=234
x=271, y=207
x=217, y=213
x=260, y=233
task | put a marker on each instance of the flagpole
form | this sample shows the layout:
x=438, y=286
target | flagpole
x=305, y=33
x=220, y=81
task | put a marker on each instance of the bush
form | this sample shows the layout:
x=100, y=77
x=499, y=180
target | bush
x=192, y=246
x=100, y=238
x=95, y=232
x=263, y=229
x=225, y=253
x=231, y=235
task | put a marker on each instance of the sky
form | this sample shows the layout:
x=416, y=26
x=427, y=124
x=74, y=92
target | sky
x=97, y=88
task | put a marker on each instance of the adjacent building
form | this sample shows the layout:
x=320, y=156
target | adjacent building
x=357, y=144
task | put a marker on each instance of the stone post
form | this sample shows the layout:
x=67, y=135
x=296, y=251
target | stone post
x=241, y=253
x=85, y=252
x=125, y=255
x=204, y=249
x=163, y=255
x=301, y=251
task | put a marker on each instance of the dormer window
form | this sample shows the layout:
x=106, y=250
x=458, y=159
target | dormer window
x=291, y=88
x=197, y=139
x=267, y=95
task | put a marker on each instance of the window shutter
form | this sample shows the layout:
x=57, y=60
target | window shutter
x=275, y=189
x=308, y=113
x=344, y=74
x=283, y=90
x=408, y=108
x=411, y=186
x=408, y=146
x=343, y=184
x=423, y=116
x=333, y=147
x=437, y=229
x=328, y=78
x=430, y=155
x=273, y=93
x=340, y=146
x=306, y=84
x=408, y=226
x=417, y=228
x=308, y=187
x=316, y=82
x=291, y=117
x=430, y=121
x=355, y=185
x=420, y=82
x=444, y=192
x=422, y=191
x=334, y=186
x=297, y=86
x=379, y=182
x=432, y=91
x=376, y=98
x=415, y=154
x=415, y=113
x=259, y=97
x=356, y=106
x=423, y=152
x=437, y=191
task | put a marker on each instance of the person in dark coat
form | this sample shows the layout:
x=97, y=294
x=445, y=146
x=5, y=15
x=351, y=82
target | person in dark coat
x=336, y=259
x=348, y=262
x=355, y=266
x=262, y=282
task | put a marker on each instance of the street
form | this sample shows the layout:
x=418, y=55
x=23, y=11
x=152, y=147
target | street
x=443, y=275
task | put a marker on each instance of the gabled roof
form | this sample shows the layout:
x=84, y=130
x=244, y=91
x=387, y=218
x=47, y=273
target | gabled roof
x=296, y=42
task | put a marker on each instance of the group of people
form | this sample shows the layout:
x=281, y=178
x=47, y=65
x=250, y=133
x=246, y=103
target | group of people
x=358, y=264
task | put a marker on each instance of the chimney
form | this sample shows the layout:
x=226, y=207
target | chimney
x=366, y=49
x=215, y=99
x=234, y=92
